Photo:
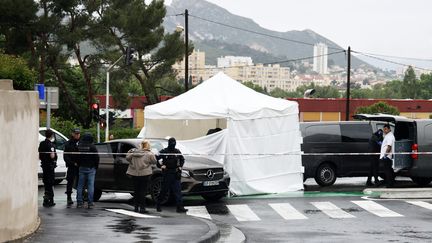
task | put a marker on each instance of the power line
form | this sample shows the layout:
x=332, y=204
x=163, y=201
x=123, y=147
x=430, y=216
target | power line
x=269, y=63
x=390, y=61
x=399, y=57
x=259, y=33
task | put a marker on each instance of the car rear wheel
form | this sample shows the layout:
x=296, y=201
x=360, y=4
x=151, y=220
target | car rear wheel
x=156, y=186
x=97, y=194
x=421, y=181
x=214, y=196
x=325, y=175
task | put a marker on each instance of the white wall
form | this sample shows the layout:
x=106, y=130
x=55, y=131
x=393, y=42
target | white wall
x=19, y=121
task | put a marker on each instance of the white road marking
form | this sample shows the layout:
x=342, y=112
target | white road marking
x=332, y=210
x=287, y=211
x=242, y=212
x=377, y=209
x=198, y=211
x=130, y=213
x=421, y=204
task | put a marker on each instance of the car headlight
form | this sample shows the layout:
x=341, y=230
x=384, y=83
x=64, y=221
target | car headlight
x=185, y=173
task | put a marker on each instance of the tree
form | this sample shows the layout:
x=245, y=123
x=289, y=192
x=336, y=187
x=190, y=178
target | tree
x=16, y=68
x=133, y=23
x=255, y=87
x=320, y=91
x=379, y=107
x=409, y=84
x=279, y=93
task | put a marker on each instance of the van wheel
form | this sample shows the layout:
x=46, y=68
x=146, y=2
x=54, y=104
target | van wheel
x=156, y=186
x=97, y=194
x=421, y=181
x=325, y=175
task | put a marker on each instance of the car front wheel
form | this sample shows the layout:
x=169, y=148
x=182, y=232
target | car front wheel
x=214, y=196
x=325, y=175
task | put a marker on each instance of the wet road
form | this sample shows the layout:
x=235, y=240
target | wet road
x=334, y=214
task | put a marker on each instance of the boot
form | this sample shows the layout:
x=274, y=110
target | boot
x=69, y=200
x=181, y=209
x=158, y=208
x=46, y=201
x=136, y=208
x=143, y=210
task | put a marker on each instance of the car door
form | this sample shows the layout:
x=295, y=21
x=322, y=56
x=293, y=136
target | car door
x=123, y=181
x=355, y=139
x=105, y=173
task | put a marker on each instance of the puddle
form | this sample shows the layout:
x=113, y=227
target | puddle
x=311, y=211
x=129, y=226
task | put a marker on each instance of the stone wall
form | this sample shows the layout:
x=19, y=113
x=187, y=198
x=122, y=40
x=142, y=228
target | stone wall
x=19, y=122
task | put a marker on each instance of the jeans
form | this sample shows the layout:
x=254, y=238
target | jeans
x=72, y=173
x=170, y=181
x=86, y=175
x=140, y=185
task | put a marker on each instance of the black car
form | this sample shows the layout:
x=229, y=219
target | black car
x=200, y=176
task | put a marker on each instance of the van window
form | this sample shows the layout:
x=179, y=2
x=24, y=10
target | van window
x=404, y=130
x=356, y=132
x=428, y=133
x=323, y=133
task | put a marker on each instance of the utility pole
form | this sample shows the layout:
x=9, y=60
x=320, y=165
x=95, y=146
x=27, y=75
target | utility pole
x=348, y=85
x=186, y=50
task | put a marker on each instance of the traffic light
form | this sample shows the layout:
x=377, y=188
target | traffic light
x=129, y=56
x=95, y=111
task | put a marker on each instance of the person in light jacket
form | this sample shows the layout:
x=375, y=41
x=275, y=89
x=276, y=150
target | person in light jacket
x=140, y=168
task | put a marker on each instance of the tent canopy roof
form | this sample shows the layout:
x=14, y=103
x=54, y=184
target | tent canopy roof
x=221, y=97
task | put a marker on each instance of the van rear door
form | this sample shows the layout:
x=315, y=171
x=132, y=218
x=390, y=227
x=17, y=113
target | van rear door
x=405, y=133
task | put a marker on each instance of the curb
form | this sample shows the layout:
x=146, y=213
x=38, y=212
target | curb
x=211, y=236
x=399, y=193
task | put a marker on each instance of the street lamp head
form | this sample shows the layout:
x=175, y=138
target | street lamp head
x=179, y=28
x=308, y=93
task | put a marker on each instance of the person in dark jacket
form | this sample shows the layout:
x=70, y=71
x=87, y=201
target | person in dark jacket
x=88, y=162
x=48, y=157
x=71, y=163
x=374, y=147
x=171, y=165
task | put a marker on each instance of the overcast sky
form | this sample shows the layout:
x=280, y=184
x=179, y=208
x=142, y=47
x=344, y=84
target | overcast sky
x=388, y=27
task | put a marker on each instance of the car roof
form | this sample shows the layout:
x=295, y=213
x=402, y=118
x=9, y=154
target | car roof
x=382, y=117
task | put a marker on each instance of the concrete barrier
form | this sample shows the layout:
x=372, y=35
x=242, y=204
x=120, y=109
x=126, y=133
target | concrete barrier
x=19, y=122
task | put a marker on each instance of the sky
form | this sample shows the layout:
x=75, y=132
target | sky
x=400, y=28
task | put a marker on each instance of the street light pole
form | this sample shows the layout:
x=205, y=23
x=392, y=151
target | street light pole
x=348, y=85
x=186, y=50
x=107, y=99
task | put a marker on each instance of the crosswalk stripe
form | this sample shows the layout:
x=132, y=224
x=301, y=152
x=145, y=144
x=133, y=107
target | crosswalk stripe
x=287, y=211
x=130, y=213
x=242, y=212
x=332, y=210
x=198, y=211
x=377, y=209
x=421, y=204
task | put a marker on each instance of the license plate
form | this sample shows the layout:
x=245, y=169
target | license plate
x=210, y=183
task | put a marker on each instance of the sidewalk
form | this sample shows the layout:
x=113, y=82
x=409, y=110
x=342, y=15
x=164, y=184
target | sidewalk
x=62, y=224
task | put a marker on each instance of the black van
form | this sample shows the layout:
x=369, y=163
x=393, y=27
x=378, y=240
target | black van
x=413, y=136
x=329, y=149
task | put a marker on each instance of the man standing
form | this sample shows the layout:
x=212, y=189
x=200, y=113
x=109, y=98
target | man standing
x=71, y=164
x=172, y=163
x=88, y=162
x=386, y=155
x=374, y=146
x=48, y=157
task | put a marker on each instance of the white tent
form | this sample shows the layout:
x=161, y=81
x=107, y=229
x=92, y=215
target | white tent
x=261, y=143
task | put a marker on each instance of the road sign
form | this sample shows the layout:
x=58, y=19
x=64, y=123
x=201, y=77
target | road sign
x=53, y=97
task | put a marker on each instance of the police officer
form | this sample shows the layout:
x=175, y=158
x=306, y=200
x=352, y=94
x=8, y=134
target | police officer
x=171, y=165
x=71, y=163
x=48, y=157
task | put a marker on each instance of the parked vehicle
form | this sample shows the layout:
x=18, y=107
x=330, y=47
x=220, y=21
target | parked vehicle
x=412, y=135
x=344, y=138
x=60, y=140
x=200, y=176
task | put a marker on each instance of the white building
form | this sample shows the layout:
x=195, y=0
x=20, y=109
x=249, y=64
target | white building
x=232, y=61
x=320, y=58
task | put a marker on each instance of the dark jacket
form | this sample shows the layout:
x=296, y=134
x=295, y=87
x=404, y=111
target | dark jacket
x=172, y=162
x=86, y=146
x=375, y=141
x=45, y=147
x=70, y=146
